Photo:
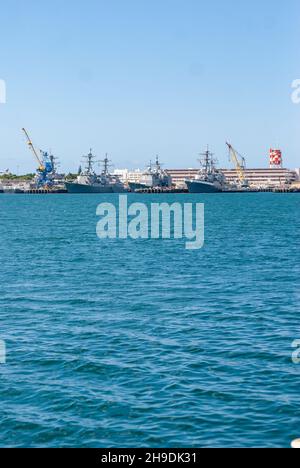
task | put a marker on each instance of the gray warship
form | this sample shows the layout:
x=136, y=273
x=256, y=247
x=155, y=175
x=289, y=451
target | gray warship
x=88, y=181
x=153, y=177
x=209, y=179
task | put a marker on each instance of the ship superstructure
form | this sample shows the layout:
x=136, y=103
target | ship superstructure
x=209, y=179
x=88, y=181
x=154, y=177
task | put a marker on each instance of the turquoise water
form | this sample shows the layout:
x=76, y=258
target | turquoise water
x=143, y=343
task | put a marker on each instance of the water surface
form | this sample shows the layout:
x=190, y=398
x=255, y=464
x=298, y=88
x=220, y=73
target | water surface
x=143, y=343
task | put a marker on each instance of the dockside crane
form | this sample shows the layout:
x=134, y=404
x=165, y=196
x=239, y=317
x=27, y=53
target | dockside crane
x=239, y=164
x=45, y=165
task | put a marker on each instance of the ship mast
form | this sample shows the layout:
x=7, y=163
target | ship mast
x=90, y=160
x=157, y=165
x=106, y=165
x=207, y=161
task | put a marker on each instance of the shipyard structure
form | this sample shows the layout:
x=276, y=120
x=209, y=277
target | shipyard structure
x=256, y=177
x=259, y=178
x=208, y=178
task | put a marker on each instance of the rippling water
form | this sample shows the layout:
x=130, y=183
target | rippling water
x=143, y=343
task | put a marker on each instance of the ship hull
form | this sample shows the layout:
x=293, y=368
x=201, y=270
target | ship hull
x=195, y=186
x=135, y=186
x=82, y=188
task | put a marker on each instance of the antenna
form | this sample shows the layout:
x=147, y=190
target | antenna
x=90, y=161
x=106, y=165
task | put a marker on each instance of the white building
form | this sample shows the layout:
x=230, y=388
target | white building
x=126, y=176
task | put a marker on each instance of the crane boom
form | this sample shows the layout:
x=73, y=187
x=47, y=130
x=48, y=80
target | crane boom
x=31, y=146
x=239, y=166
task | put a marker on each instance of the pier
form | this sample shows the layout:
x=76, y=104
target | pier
x=40, y=192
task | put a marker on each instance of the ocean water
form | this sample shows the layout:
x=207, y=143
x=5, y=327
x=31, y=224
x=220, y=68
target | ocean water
x=122, y=343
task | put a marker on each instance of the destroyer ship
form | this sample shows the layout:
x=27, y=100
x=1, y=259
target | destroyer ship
x=153, y=177
x=90, y=182
x=209, y=179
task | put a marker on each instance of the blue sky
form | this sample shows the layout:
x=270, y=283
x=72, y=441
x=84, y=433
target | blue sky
x=140, y=78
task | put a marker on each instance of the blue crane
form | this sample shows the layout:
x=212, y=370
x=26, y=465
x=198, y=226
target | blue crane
x=45, y=165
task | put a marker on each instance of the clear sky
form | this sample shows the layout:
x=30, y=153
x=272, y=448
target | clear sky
x=136, y=78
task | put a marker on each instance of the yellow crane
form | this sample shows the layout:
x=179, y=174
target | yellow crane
x=32, y=148
x=240, y=165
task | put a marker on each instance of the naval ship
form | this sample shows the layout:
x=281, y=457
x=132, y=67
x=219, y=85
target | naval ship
x=153, y=177
x=209, y=179
x=90, y=182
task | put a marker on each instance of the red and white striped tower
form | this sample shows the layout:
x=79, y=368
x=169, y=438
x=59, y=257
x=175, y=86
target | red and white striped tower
x=275, y=158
